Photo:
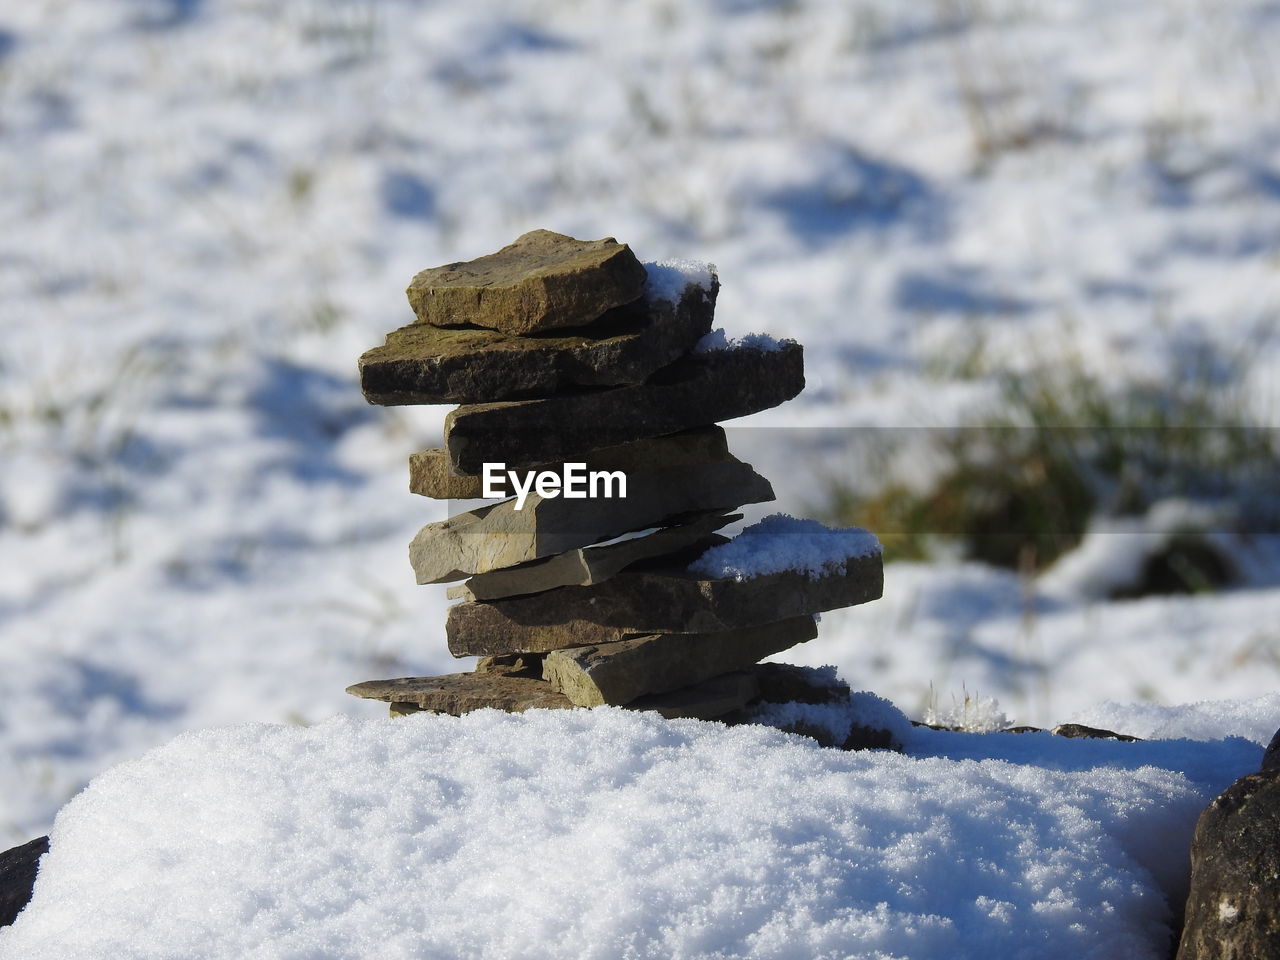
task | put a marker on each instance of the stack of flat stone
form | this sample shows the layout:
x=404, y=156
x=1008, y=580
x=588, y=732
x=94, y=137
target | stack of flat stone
x=562, y=352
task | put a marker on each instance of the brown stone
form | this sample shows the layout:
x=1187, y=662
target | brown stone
x=543, y=281
x=431, y=474
x=668, y=600
x=499, y=535
x=696, y=390
x=459, y=693
x=518, y=665
x=704, y=701
x=588, y=565
x=421, y=363
x=622, y=671
x=1080, y=731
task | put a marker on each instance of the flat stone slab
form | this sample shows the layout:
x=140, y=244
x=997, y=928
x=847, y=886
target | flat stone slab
x=640, y=601
x=498, y=536
x=704, y=701
x=459, y=693
x=698, y=389
x=620, y=672
x=543, y=281
x=431, y=474
x=421, y=363
x=587, y=565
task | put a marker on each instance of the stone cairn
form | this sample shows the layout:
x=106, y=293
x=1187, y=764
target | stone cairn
x=573, y=356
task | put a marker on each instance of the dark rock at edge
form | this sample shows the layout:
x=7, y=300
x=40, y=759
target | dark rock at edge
x=18, y=869
x=1233, y=910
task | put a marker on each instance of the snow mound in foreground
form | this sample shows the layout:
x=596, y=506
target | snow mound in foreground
x=609, y=834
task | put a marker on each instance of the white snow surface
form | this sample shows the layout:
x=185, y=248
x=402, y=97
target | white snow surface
x=607, y=833
x=781, y=543
x=668, y=279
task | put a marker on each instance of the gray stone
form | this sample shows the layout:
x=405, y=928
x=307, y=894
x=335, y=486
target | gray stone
x=695, y=390
x=588, y=565
x=622, y=671
x=497, y=536
x=1233, y=910
x=668, y=600
x=704, y=701
x=459, y=693
x=431, y=474
x=421, y=363
x=18, y=868
x=543, y=281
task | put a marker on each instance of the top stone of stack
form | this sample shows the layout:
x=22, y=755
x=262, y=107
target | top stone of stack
x=543, y=281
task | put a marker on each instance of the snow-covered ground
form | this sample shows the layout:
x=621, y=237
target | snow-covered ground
x=212, y=208
x=608, y=834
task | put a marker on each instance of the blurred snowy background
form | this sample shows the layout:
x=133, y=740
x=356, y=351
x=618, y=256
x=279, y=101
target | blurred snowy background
x=212, y=208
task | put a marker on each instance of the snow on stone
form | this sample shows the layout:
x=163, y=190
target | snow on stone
x=864, y=709
x=717, y=340
x=780, y=543
x=668, y=279
x=607, y=833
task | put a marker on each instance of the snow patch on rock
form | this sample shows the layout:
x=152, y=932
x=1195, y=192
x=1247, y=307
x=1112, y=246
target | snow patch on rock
x=781, y=543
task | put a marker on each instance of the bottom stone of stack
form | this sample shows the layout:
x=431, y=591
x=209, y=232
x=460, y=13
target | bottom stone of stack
x=703, y=701
x=740, y=697
x=527, y=665
x=512, y=684
x=461, y=693
x=623, y=671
